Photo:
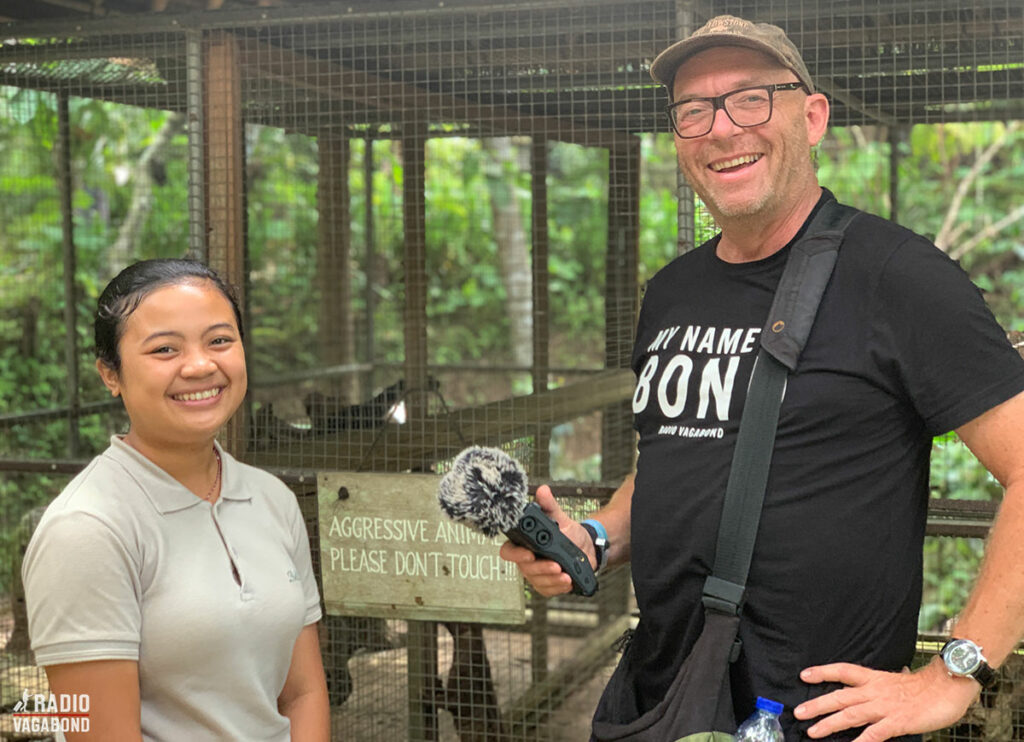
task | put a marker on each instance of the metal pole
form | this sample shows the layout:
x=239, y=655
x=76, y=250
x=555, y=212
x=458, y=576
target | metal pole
x=197, y=243
x=896, y=137
x=539, y=628
x=421, y=653
x=70, y=267
x=686, y=214
x=370, y=258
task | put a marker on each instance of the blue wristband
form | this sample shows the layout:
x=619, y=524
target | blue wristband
x=599, y=535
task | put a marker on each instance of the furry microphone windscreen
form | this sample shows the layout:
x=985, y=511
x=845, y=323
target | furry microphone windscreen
x=486, y=490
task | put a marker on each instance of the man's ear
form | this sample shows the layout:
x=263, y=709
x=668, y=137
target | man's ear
x=816, y=112
x=110, y=378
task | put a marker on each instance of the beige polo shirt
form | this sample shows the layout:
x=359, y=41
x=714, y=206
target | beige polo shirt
x=209, y=599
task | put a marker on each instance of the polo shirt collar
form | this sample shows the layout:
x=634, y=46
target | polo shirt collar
x=165, y=492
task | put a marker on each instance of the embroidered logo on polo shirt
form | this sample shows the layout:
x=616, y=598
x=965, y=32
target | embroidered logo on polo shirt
x=293, y=576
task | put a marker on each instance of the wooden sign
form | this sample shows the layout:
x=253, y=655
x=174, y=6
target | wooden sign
x=387, y=550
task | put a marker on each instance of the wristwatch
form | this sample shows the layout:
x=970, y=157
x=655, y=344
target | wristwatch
x=964, y=659
x=599, y=537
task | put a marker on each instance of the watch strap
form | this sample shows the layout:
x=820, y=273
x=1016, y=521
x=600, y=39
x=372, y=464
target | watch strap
x=599, y=537
x=983, y=673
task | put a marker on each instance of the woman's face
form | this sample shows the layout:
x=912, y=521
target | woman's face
x=182, y=366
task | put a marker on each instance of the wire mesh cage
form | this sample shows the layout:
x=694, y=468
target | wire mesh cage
x=439, y=218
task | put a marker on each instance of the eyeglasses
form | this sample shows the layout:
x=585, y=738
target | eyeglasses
x=695, y=117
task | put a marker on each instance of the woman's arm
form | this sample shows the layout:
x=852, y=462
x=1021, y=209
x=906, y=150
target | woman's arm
x=113, y=690
x=304, y=696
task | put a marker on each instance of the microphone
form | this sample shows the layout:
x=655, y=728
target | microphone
x=486, y=490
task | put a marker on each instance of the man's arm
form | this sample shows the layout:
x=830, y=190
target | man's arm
x=994, y=614
x=545, y=575
x=893, y=704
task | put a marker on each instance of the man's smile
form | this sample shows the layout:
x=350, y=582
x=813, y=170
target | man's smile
x=734, y=163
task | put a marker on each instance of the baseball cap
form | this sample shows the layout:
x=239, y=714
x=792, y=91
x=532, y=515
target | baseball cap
x=728, y=30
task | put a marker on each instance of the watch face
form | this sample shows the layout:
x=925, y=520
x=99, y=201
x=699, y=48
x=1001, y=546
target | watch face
x=962, y=657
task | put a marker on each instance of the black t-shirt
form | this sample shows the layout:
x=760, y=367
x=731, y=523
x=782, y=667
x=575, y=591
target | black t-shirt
x=903, y=348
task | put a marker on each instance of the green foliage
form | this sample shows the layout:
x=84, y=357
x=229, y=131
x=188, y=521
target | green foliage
x=282, y=237
x=467, y=320
x=937, y=168
x=577, y=226
x=952, y=563
x=462, y=255
x=105, y=140
x=950, y=568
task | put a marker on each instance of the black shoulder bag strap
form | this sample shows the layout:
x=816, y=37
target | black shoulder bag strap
x=783, y=337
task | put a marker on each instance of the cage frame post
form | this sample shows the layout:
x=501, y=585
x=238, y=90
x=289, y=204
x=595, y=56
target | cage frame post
x=224, y=185
x=414, y=220
x=369, y=263
x=897, y=135
x=621, y=271
x=541, y=303
x=422, y=655
x=197, y=245
x=622, y=266
x=69, y=257
x=335, y=326
x=686, y=211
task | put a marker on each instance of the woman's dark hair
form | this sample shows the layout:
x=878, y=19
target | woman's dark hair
x=128, y=288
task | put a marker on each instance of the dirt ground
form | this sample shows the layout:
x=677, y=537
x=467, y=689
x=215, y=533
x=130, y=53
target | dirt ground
x=378, y=706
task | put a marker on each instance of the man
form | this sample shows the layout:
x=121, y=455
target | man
x=903, y=348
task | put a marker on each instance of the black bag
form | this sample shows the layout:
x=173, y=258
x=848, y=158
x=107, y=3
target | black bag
x=698, y=705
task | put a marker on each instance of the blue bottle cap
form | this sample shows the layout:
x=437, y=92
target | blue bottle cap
x=772, y=707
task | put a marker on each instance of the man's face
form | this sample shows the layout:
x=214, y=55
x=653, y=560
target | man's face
x=747, y=171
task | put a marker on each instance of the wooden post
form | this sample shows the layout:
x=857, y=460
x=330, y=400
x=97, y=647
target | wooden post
x=64, y=184
x=335, y=328
x=224, y=136
x=369, y=262
x=198, y=249
x=618, y=440
x=897, y=135
x=617, y=437
x=415, y=313
x=422, y=649
x=541, y=360
x=686, y=215
x=541, y=295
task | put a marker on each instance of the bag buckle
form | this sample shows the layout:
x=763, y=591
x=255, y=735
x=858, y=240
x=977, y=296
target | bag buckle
x=723, y=596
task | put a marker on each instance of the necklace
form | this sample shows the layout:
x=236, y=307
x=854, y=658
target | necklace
x=216, y=481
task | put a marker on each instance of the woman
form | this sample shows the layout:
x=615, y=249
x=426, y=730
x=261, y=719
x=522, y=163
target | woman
x=168, y=581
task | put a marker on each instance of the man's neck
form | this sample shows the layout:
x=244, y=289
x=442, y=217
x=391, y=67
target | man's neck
x=745, y=239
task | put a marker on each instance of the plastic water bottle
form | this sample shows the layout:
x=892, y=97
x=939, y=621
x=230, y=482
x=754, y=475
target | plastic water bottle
x=763, y=725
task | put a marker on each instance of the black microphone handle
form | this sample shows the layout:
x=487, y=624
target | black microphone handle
x=541, y=535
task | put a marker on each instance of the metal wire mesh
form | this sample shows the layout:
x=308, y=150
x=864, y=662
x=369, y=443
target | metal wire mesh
x=439, y=220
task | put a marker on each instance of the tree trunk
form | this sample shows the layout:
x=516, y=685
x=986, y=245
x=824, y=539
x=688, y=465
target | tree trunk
x=124, y=250
x=513, y=254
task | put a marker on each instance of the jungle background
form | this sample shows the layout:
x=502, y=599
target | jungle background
x=959, y=185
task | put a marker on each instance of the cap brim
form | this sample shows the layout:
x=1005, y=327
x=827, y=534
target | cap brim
x=664, y=66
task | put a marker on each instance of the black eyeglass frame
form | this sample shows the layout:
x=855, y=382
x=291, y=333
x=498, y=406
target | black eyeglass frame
x=718, y=103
